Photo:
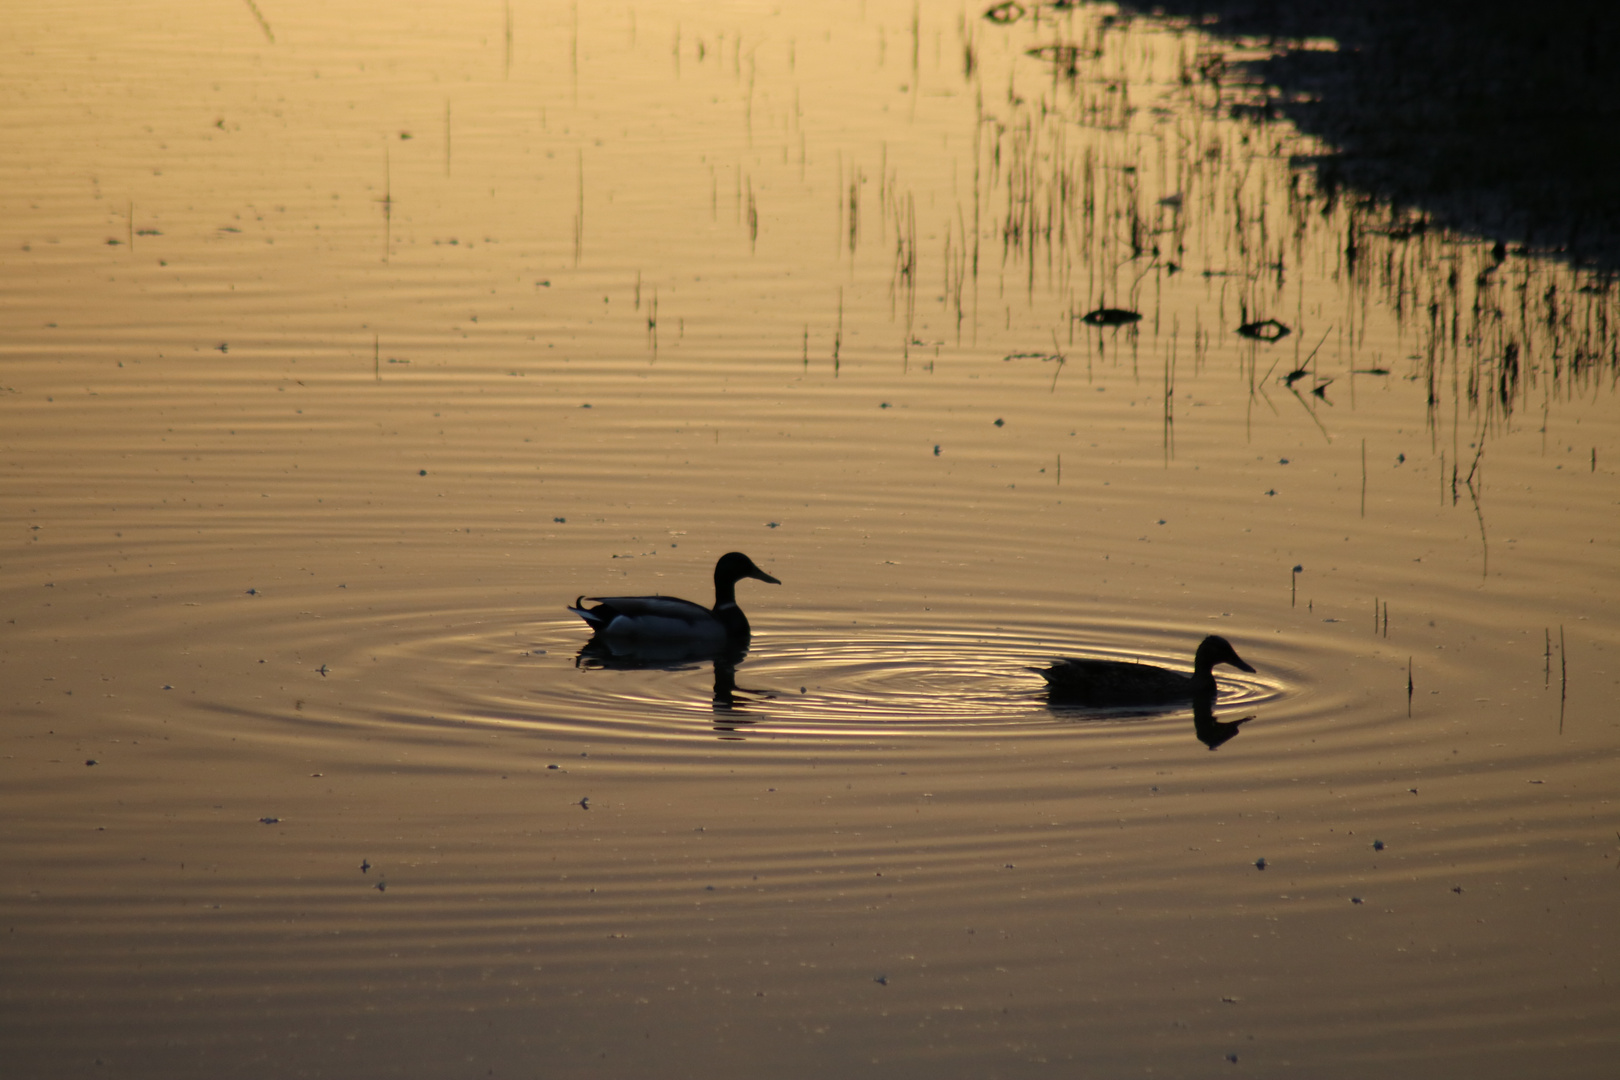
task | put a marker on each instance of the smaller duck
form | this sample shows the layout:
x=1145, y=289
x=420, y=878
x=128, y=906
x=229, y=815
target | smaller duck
x=1118, y=683
x=630, y=623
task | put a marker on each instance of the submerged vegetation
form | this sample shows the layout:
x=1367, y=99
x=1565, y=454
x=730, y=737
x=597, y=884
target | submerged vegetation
x=1164, y=198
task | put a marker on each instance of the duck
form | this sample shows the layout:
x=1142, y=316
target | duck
x=1118, y=683
x=631, y=623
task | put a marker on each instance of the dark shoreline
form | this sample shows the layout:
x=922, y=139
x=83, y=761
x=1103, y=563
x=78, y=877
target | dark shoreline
x=1483, y=116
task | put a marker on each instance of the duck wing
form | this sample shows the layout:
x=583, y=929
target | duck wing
x=648, y=617
x=1115, y=682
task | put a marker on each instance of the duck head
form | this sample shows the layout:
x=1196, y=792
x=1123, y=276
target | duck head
x=734, y=566
x=1216, y=650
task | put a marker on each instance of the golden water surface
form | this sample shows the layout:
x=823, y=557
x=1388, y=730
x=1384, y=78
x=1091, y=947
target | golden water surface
x=344, y=344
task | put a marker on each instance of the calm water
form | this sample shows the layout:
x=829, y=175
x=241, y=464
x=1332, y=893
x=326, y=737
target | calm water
x=346, y=344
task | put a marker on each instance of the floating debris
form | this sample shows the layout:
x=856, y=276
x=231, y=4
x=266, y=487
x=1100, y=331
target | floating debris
x=1264, y=330
x=1113, y=316
x=269, y=820
x=1065, y=56
x=1009, y=11
x=1260, y=863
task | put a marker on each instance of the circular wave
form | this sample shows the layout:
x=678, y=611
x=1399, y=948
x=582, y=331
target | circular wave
x=793, y=682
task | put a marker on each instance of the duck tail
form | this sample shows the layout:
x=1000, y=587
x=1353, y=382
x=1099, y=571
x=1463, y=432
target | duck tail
x=592, y=619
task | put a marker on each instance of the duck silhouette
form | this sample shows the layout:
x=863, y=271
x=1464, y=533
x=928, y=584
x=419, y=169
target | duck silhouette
x=669, y=625
x=1119, y=683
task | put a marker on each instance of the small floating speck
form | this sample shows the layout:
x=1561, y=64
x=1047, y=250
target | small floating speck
x=881, y=980
x=91, y=761
x=269, y=820
x=1264, y=330
x=1260, y=863
x=1107, y=316
x=1355, y=900
x=1378, y=845
x=1000, y=422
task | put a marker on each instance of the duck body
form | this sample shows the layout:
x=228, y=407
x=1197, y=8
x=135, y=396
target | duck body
x=1120, y=683
x=633, y=623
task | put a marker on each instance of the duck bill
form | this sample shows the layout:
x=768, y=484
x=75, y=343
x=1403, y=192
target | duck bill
x=760, y=575
x=1238, y=663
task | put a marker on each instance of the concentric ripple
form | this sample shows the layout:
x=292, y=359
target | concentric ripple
x=795, y=681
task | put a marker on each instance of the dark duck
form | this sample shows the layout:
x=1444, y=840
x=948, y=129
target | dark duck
x=1119, y=683
x=635, y=622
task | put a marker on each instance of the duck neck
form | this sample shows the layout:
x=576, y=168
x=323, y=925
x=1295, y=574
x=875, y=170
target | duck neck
x=725, y=592
x=726, y=611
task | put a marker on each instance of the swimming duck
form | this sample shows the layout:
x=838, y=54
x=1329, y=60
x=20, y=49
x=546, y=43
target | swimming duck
x=1115, y=682
x=632, y=621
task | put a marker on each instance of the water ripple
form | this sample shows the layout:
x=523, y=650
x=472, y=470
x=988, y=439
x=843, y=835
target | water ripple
x=902, y=681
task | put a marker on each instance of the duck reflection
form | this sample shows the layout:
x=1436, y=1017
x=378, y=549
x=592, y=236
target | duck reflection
x=1210, y=731
x=612, y=654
